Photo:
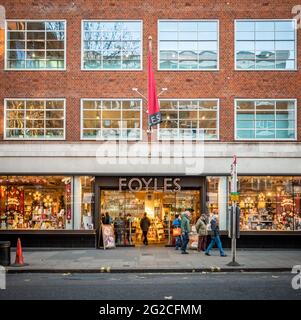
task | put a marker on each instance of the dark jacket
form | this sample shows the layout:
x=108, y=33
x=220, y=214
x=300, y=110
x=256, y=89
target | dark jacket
x=214, y=227
x=145, y=224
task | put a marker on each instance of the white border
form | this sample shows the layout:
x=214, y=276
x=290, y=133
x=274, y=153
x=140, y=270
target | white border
x=32, y=69
x=188, y=20
x=261, y=139
x=33, y=99
x=110, y=99
x=269, y=20
x=112, y=20
x=194, y=99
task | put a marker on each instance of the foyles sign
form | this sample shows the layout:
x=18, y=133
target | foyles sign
x=146, y=184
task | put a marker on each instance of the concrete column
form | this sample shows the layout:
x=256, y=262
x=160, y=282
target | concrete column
x=223, y=202
x=77, y=202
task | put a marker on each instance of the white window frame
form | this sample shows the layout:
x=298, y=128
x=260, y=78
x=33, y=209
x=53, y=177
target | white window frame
x=267, y=20
x=110, y=139
x=262, y=139
x=33, y=99
x=35, y=69
x=112, y=20
x=187, y=20
x=193, y=139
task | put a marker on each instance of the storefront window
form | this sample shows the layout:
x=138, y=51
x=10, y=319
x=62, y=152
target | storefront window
x=270, y=203
x=126, y=208
x=216, y=199
x=86, y=202
x=35, y=202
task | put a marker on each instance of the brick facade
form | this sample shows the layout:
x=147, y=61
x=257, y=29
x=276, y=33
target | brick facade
x=74, y=84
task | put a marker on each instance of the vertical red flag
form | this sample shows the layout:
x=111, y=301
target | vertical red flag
x=154, y=114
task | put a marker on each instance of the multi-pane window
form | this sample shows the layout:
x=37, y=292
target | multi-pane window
x=35, y=45
x=265, y=119
x=112, y=45
x=189, y=119
x=112, y=119
x=265, y=45
x=35, y=119
x=188, y=45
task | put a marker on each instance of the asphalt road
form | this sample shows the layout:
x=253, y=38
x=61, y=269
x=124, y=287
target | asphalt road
x=203, y=286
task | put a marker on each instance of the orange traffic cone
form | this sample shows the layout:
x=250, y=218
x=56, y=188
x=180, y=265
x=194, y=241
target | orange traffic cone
x=19, y=262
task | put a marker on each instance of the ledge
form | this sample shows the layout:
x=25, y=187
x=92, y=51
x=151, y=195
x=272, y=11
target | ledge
x=49, y=232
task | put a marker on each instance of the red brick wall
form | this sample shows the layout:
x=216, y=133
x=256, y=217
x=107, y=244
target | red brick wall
x=74, y=84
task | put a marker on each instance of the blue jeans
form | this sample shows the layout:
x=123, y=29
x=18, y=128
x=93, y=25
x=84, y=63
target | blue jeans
x=185, y=240
x=218, y=242
x=178, y=242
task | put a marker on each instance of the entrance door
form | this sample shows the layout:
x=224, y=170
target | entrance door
x=126, y=208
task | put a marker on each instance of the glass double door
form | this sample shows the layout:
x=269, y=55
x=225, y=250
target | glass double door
x=125, y=210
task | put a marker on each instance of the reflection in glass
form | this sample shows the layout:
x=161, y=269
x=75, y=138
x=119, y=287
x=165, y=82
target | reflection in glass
x=269, y=40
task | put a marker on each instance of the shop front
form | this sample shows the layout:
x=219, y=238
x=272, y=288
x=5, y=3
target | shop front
x=124, y=200
x=47, y=210
x=67, y=210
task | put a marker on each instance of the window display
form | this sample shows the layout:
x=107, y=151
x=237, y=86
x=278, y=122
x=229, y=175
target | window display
x=270, y=203
x=87, y=201
x=35, y=202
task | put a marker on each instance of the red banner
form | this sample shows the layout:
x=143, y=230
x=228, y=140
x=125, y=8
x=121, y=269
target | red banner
x=154, y=115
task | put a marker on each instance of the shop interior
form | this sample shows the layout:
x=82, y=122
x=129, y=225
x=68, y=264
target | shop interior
x=126, y=209
x=34, y=202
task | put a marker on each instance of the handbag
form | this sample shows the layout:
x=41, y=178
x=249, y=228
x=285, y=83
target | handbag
x=176, y=232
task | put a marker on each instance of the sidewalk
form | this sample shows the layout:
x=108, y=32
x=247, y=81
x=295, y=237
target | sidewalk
x=153, y=259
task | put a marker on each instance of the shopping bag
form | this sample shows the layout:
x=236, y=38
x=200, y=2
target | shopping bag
x=176, y=232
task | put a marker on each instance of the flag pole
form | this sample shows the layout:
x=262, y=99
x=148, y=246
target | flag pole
x=149, y=130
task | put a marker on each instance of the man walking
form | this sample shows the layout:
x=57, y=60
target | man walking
x=144, y=225
x=215, y=237
x=185, y=229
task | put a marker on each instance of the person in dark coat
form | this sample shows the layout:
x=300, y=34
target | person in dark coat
x=144, y=225
x=215, y=237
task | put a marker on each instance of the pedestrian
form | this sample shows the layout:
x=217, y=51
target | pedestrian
x=108, y=219
x=119, y=226
x=185, y=229
x=177, y=226
x=144, y=225
x=201, y=228
x=215, y=238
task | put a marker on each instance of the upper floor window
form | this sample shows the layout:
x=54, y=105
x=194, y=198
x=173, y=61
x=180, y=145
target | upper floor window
x=111, y=119
x=189, y=119
x=265, y=44
x=265, y=119
x=34, y=119
x=112, y=45
x=188, y=45
x=35, y=45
